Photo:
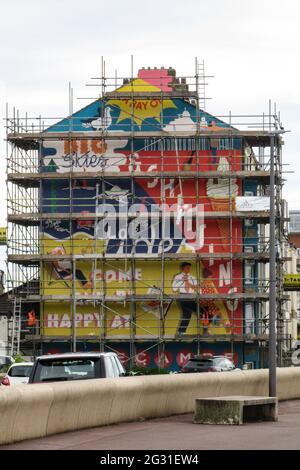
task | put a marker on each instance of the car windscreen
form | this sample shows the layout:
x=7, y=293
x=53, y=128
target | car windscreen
x=67, y=369
x=218, y=361
x=20, y=371
x=191, y=364
x=223, y=362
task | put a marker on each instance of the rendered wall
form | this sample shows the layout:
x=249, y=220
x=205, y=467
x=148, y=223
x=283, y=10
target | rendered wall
x=61, y=407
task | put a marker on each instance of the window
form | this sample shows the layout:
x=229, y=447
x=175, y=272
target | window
x=294, y=225
x=249, y=319
x=67, y=369
x=194, y=363
x=20, y=371
x=249, y=271
x=218, y=361
x=115, y=366
x=110, y=371
x=120, y=369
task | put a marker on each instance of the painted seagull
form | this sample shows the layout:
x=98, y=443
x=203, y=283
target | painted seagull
x=101, y=123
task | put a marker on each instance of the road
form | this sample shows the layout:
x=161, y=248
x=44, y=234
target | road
x=179, y=433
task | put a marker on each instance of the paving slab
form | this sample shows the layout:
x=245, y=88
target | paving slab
x=179, y=433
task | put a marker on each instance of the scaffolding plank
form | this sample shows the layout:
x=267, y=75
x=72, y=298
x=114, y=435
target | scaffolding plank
x=166, y=339
x=30, y=259
x=100, y=297
x=34, y=218
x=159, y=95
x=220, y=133
x=23, y=178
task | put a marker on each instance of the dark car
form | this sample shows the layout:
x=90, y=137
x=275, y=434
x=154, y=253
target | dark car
x=76, y=366
x=208, y=364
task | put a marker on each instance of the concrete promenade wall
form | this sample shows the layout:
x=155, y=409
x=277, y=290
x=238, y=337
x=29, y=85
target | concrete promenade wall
x=38, y=410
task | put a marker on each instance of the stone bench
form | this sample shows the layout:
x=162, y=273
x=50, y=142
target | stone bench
x=235, y=410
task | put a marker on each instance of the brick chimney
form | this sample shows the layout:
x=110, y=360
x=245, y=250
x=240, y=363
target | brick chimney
x=161, y=78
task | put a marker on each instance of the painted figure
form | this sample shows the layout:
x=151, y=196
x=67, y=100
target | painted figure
x=185, y=283
x=63, y=269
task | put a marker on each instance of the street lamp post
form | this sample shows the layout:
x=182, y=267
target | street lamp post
x=272, y=276
x=272, y=291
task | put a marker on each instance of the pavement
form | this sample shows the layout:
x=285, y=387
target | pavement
x=179, y=433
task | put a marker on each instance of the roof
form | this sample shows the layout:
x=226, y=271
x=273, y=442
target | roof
x=75, y=355
x=16, y=364
x=156, y=105
x=208, y=357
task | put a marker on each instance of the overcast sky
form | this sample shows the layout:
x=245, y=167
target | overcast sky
x=251, y=48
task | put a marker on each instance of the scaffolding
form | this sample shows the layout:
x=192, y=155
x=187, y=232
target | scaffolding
x=179, y=162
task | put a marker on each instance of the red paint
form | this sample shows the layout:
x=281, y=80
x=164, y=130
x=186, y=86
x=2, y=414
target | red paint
x=163, y=360
x=53, y=351
x=142, y=359
x=183, y=356
x=122, y=355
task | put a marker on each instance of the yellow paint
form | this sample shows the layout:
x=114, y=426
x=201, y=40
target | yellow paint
x=291, y=280
x=138, y=85
x=3, y=235
x=113, y=277
x=141, y=109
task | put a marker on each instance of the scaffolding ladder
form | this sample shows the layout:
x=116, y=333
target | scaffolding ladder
x=16, y=327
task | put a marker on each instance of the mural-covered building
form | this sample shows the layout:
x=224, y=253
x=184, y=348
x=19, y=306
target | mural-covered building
x=137, y=224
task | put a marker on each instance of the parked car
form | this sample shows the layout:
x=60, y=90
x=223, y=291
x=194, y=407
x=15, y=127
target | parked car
x=207, y=363
x=18, y=374
x=76, y=366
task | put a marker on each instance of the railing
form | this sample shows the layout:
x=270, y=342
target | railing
x=26, y=124
x=155, y=156
x=150, y=326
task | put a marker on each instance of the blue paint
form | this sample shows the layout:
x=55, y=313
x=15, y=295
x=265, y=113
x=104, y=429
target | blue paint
x=173, y=349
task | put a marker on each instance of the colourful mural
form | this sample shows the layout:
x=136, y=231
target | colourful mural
x=88, y=231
